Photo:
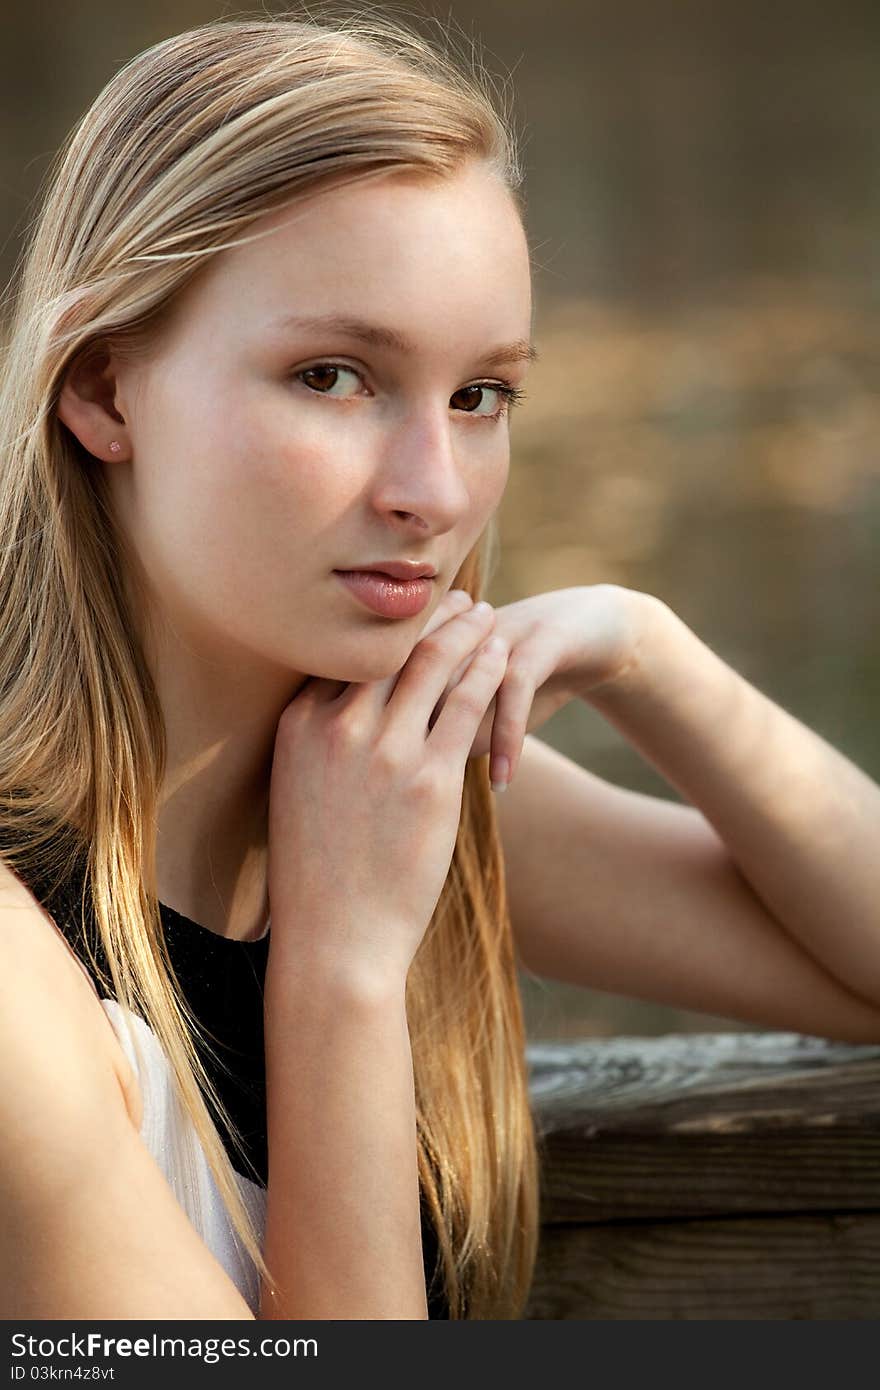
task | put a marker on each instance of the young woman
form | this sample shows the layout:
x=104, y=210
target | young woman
x=273, y=315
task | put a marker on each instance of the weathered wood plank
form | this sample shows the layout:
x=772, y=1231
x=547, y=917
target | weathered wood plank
x=743, y=1268
x=698, y=1125
x=708, y=1176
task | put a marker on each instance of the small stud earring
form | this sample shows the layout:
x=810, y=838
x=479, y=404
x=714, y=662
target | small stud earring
x=115, y=446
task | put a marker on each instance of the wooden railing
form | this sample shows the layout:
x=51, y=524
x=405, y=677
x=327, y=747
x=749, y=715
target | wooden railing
x=731, y=1176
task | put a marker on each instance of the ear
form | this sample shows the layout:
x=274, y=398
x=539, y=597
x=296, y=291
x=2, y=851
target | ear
x=87, y=405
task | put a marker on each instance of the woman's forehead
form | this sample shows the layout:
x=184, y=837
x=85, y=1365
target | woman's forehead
x=387, y=224
x=394, y=263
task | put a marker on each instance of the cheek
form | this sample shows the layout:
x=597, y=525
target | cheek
x=489, y=484
x=501, y=474
x=214, y=527
x=262, y=483
x=291, y=463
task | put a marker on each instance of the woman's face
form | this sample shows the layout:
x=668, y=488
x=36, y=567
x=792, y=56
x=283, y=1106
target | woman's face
x=264, y=453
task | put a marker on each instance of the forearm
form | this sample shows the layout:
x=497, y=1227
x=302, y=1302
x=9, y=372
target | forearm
x=343, y=1230
x=801, y=822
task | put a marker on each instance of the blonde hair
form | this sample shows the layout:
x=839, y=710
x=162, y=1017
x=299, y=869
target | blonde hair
x=187, y=145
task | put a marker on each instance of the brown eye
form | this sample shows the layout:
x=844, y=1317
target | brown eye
x=324, y=376
x=473, y=393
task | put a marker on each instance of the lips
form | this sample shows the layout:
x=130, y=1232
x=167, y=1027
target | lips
x=385, y=595
x=395, y=569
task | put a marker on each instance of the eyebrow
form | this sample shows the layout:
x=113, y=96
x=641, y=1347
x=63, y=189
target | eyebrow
x=379, y=336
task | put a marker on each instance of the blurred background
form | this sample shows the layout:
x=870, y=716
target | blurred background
x=703, y=190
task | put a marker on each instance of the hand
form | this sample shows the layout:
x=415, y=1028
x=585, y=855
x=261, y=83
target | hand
x=563, y=644
x=365, y=800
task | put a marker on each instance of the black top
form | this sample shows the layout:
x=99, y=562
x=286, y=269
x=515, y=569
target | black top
x=223, y=981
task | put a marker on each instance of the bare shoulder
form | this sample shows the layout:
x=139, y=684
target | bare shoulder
x=90, y=1228
x=47, y=993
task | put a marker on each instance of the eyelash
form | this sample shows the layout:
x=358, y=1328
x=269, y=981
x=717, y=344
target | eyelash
x=510, y=395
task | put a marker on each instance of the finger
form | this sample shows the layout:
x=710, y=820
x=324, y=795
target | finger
x=320, y=690
x=513, y=703
x=453, y=601
x=424, y=676
x=451, y=683
x=461, y=716
x=308, y=692
x=327, y=690
x=378, y=692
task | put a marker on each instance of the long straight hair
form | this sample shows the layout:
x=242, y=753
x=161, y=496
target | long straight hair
x=190, y=143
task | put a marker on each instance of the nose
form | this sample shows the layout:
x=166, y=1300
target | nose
x=421, y=481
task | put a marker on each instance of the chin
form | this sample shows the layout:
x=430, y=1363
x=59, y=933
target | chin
x=359, y=671
x=373, y=655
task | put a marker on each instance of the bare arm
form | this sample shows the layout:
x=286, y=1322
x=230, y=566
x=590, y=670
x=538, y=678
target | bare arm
x=758, y=901
x=343, y=1230
x=364, y=809
x=637, y=895
x=798, y=819
x=89, y=1228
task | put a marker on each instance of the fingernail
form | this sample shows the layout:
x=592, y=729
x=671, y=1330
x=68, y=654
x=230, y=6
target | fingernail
x=460, y=596
x=500, y=773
